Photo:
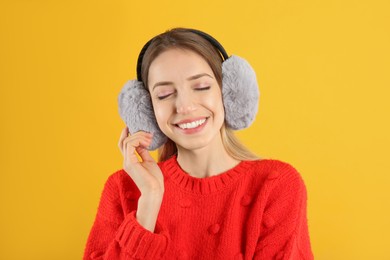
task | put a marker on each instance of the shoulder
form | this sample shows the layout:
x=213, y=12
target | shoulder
x=119, y=182
x=277, y=172
x=117, y=177
x=272, y=166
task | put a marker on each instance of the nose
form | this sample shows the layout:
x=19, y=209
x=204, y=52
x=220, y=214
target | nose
x=184, y=103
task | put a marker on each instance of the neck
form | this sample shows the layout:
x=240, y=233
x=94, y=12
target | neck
x=205, y=162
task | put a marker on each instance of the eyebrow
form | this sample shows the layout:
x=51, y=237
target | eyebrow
x=162, y=83
x=197, y=76
x=194, y=77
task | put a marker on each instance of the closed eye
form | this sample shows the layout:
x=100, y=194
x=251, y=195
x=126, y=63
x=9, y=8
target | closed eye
x=203, y=88
x=164, y=96
x=164, y=93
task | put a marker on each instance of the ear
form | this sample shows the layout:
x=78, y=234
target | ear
x=240, y=93
x=136, y=110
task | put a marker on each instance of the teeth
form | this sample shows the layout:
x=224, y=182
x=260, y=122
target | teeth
x=192, y=124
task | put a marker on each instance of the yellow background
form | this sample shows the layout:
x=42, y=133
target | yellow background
x=323, y=69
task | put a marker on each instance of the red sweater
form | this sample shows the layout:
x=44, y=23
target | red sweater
x=257, y=210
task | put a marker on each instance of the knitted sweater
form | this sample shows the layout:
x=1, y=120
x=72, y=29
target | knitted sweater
x=256, y=210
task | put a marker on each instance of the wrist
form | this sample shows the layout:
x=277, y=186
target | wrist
x=152, y=195
x=148, y=209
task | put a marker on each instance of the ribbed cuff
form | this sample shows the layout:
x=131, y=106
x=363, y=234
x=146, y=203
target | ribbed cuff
x=140, y=242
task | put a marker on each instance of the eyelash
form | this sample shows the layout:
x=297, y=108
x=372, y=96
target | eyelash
x=198, y=89
x=163, y=97
x=204, y=88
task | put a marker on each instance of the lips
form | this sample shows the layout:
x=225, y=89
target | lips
x=192, y=124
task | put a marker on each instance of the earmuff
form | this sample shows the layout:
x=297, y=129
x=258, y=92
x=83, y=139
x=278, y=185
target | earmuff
x=240, y=95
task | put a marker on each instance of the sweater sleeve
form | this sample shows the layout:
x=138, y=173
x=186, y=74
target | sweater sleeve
x=284, y=229
x=116, y=235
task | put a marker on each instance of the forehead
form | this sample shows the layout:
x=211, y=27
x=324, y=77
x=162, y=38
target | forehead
x=177, y=62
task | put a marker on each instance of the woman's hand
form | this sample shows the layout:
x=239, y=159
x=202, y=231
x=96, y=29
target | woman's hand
x=146, y=175
x=145, y=172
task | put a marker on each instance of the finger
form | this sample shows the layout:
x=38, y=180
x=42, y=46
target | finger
x=143, y=133
x=131, y=163
x=133, y=143
x=126, y=137
x=143, y=136
x=145, y=155
x=129, y=151
x=137, y=140
x=124, y=134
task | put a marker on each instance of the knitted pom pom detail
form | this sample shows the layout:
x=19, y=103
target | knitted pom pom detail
x=240, y=93
x=136, y=109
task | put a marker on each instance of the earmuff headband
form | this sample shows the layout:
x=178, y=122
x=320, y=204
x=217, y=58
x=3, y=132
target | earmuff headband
x=206, y=36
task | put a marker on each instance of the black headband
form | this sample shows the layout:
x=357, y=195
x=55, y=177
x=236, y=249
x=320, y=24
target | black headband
x=206, y=36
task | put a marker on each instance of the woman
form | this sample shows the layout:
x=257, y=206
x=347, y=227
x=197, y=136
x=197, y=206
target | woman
x=208, y=197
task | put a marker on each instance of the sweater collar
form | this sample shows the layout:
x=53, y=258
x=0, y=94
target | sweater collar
x=173, y=172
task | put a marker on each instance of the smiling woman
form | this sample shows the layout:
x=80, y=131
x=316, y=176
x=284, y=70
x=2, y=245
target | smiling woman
x=208, y=197
x=193, y=96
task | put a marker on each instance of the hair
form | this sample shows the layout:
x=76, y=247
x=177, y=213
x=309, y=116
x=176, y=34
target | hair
x=185, y=39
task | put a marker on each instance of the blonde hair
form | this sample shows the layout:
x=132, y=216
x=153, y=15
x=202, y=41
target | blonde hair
x=185, y=39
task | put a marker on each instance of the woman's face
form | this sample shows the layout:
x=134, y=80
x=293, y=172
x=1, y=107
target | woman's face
x=186, y=99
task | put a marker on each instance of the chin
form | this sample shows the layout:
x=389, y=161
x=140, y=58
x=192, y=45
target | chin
x=195, y=144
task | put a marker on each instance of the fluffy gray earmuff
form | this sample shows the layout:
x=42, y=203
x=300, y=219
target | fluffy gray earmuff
x=240, y=93
x=240, y=98
x=136, y=109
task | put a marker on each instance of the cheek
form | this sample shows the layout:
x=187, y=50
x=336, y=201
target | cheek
x=158, y=112
x=216, y=103
x=221, y=110
x=161, y=114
